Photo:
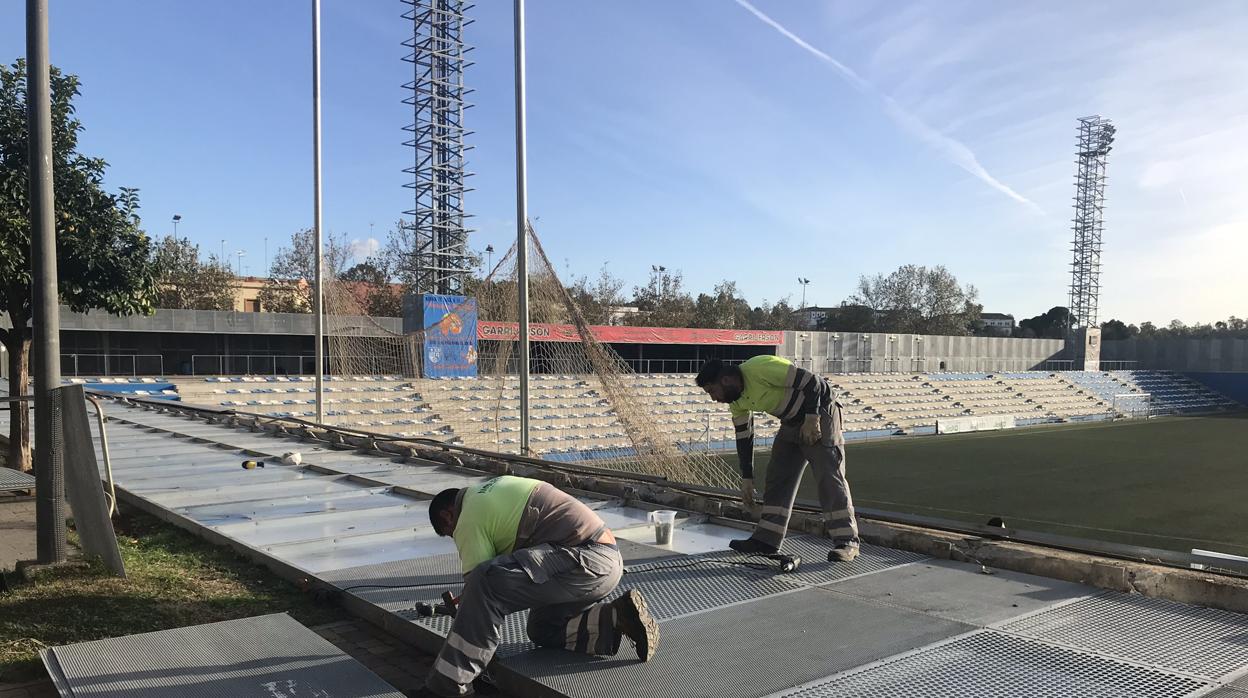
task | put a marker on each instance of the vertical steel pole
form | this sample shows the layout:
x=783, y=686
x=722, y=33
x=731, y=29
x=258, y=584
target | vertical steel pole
x=319, y=303
x=522, y=230
x=49, y=475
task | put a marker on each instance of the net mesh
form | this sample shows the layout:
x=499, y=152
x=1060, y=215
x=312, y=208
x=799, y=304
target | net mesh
x=586, y=403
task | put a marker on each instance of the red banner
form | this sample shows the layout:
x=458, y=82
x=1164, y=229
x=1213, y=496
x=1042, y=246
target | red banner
x=541, y=332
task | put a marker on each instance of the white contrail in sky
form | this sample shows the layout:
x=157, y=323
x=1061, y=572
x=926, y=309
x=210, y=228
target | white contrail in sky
x=953, y=150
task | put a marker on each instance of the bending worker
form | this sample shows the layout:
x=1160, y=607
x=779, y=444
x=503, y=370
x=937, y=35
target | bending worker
x=525, y=544
x=810, y=432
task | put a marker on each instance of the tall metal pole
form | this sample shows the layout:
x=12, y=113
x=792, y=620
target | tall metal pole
x=319, y=304
x=49, y=473
x=522, y=230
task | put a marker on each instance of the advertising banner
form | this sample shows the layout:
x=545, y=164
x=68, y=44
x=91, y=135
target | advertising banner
x=542, y=332
x=450, y=336
x=958, y=425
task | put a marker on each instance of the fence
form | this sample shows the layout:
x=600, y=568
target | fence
x=112, y=365
x=253, y=364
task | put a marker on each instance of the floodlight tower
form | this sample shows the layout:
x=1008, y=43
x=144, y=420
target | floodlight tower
x=1096, y=137
x=438, y=58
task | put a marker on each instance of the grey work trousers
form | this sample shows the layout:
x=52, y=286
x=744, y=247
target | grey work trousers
x=564, y=589
x=784, y=474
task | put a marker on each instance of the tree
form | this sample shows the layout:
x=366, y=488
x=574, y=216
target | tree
x=1053, y=324
x=778, y=316
x=598, y=299
x=103, y=256
x=187, y=283
x=849, y=318
x=725, y=308
x=1116, y=330
x=292, y=275
x=372, y=287
x=663, y=301
x=919, y=300
x=404, y=261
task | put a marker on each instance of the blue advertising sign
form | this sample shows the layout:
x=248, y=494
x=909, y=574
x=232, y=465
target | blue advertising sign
x=450, y=336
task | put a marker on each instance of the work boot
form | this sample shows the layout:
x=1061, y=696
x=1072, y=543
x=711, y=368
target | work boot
x=752, y=546
x=843, y=553
x=633, y=620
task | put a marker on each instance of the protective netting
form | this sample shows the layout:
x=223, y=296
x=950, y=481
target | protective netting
x=586, y=403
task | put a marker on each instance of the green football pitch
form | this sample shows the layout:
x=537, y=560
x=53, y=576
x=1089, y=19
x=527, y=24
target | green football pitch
x=1175, y=482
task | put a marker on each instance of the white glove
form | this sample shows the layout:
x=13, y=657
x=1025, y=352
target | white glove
x=747, y=492
x=810, y=430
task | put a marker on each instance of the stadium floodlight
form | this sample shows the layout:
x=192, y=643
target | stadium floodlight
x=176, y=218
x=1096, y=135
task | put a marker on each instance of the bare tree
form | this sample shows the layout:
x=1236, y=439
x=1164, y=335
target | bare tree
x=291, y=284
x=598, y=299
x=663, y=301
x=188, y=283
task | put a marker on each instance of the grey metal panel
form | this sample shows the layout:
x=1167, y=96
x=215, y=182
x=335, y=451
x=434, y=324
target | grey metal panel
x=432, y=483
x=369, y=549
x=236, y=479
x=690, y=539
x=259, y=657
x=992, y=665
x=961, y=592
x=640, y=554
x=218, y=495
x=352, y=499
x=398, y=585
x=743, y=651
x=11, y=479
x=1179, y=637
x=306, y=527
x=620, y=518
x=83, y=487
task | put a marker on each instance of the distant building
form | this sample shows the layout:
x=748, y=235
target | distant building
x=811, y=317
x=998, y=323
x=619, y=314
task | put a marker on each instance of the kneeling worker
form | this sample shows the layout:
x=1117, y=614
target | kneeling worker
x=525, y=544
x=810, y=432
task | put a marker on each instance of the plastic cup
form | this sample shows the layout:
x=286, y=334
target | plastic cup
x=665, y=522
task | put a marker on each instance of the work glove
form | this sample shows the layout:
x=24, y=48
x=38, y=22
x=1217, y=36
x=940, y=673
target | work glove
x=747, y=492
x=810, y=430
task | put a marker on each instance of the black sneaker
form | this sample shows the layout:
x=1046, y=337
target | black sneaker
x=752, y=546
x=634, y=621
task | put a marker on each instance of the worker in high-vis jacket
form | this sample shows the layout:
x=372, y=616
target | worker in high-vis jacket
x=523, y=544
x=810, y=432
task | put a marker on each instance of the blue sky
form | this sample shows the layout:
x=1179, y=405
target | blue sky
x=798, y=138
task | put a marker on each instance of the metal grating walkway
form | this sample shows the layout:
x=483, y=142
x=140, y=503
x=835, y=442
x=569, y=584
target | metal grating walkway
x=988, y=664
x=890, y=624
x=11, y=479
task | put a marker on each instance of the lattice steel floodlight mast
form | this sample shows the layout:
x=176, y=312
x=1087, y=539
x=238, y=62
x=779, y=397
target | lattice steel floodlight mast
x=438, y=60
x=1096, y=137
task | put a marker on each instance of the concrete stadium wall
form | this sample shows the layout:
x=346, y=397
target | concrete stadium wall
x=1180, y=354
x=1232, y=385
x=854, y=352
x=218, y=322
